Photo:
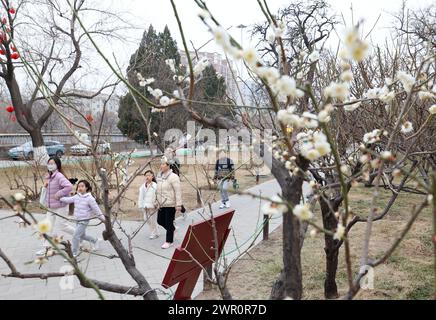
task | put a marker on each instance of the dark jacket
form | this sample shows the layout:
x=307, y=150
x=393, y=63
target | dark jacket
x=224, y=169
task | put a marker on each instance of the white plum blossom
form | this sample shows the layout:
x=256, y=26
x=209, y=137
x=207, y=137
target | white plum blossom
x=365, y=158
x=425, y=95
x=313, y=145
x=146, y=82
x=19, y=197
x=407, y=127
x=204, y=14
x=287, y=87
x=407, y=80
x=221, y=37
x=357, y=49
x=372, y=93
x=40, y=261
x=324, y=116
x=345, y=65
x=340, y=232
x=303, y=54
x=387, y=97
x=432, y=109
x=274, y=208
x=311, y=154
x=321, y=144
x=347, y=76
x=280, y=30
x=389, y=81
x=387, y=155
x=313, y=233
x=372, y=137
x=382, y=94
x=314, y=56
x=44, y=226
x=338, y=91
x=165, y=101
x=250, y=56
x=200, y=66
x=310, y=120
x=352, y=107
x=270, y=37
x=172, y=64
x=157, y=93
x=270, y=74
x=303, y=212
x=289, y=118
x=140, y=77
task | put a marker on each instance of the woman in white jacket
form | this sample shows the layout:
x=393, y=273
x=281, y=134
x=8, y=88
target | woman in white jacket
x=148, y=204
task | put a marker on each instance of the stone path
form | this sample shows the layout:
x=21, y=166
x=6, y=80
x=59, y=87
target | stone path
x=21, y=244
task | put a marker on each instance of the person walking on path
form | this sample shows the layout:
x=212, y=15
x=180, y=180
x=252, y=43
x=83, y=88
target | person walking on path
x=85, y=209
x=57, y=186
x=147, y=202
x=169, y=199
x=224, y=173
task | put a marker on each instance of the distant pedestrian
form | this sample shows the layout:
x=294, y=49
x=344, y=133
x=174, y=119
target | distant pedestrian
x=169, y=199
x=147, y=203
x=224, y=174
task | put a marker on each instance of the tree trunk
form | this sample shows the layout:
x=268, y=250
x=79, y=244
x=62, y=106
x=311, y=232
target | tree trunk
x=330, y=222
x=25, y=118
x=290, y=282
x=40, y=154
x=130, y=266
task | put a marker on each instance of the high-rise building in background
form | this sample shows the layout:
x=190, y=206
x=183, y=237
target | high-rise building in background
x=221, y=65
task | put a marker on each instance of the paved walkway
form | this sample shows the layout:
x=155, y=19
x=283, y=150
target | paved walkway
x=20, y=245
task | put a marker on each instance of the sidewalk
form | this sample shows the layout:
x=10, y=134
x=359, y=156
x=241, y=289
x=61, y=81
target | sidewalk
x=20, y=245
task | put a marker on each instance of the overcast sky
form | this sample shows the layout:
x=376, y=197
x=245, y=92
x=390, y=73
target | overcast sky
x=232, y=13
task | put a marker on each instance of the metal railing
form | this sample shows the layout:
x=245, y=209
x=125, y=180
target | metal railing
x=64, y=138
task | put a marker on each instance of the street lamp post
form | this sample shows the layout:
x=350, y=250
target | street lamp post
x=242, y=27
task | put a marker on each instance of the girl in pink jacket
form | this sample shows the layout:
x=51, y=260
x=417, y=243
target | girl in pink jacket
x=57, y=186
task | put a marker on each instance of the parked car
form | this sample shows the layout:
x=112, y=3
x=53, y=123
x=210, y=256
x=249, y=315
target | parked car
x=25, y=151
x=81, y=150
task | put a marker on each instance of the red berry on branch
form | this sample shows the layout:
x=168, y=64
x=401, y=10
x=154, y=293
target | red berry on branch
x=15, y=55
x=10, y=109
x=89, y=118
x=2, y=52
x=12, y=11
x=14, y=49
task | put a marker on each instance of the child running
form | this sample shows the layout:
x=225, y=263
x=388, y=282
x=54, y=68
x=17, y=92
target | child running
x=85, y=209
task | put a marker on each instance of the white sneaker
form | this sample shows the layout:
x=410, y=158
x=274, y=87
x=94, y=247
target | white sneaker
x=228, y=205
x=222, y=206
x=166, y=245
x=153, y=236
